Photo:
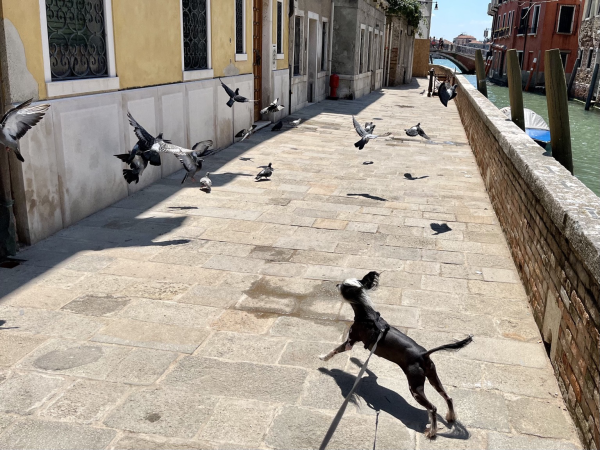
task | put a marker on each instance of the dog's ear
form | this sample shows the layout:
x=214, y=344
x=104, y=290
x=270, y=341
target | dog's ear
x=370, y=280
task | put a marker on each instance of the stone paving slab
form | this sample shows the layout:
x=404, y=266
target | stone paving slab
x=175, y=319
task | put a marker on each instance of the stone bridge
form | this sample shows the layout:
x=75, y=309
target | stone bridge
x=462, y=56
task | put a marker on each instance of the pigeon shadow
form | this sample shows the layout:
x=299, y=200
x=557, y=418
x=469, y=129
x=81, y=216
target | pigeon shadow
x=262, y=179
x=367, y=163
x=440, y=228
x=223, y=178
x=183, y=208
x=380, y=398
x=408, y=176
x=369, y=196
x=245, y=159
x=2, y=322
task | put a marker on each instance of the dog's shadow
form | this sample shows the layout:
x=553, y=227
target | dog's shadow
x=380, y=398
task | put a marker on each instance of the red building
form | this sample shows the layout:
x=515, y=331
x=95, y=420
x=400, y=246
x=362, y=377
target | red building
x=531, y=28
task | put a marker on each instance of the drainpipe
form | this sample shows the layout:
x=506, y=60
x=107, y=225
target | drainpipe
x=389, y=50
x=331, y=37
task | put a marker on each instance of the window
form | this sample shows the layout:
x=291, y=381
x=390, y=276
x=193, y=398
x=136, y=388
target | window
x=535, y=20
x=520, y=56
x=589, y=58
x=77, y=39
x=524, y=21
x=279, y=28
x=510, y=22
x=563, y=58
x=297, y=44
x=588, y=9
x=369, y=49
x=195, y=34
x=324, y=46
x=376, y=51
x=503, y=23
x=598, y=10
x=362, y=50
x=565, y=19
x=240, y=27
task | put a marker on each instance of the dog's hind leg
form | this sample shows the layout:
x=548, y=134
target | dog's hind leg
x=433, y=378
x=418, y=392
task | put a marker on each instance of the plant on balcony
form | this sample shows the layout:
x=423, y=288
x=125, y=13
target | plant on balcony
x=410, y=9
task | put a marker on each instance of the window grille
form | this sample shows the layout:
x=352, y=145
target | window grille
x=589, y=58
x=565, y=19
x=279, y=27
x=76, y=39
x=239, y=26
x=297, y=44
x=369, y=49
x=195, y=35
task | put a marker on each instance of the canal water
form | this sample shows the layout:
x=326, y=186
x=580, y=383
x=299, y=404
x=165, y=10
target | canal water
x=585, y=128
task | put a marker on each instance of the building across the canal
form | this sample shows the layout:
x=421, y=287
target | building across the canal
x=589, y=54
x=162, y=60
x=531, y=29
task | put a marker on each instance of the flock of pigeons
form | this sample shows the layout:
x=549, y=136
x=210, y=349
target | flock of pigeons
x=17, y=121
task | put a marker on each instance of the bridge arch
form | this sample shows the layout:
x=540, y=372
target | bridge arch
x=449, y=57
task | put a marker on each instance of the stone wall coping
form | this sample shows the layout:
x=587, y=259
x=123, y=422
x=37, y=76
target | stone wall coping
x=573, y=207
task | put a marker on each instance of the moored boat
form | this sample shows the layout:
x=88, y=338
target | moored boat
x=535, y=127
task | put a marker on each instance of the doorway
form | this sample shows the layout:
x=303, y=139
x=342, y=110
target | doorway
x=257, y=18
x=311, y=85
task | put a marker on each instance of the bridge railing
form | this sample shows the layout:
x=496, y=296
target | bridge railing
x=460, y=49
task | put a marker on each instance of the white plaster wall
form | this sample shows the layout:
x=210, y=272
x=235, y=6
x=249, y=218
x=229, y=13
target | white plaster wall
x=281, y=89
x=322, y=86
x=243, y=113
x=299, y=93
x=88, y=132
x=40, y=200
x=201, y=98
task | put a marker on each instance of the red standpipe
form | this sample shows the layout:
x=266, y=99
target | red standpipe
x=334, y=83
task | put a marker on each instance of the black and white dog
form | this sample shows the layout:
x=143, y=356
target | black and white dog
x=394, y=346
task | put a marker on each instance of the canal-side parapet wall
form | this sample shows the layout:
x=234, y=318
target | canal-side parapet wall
x=552, y=225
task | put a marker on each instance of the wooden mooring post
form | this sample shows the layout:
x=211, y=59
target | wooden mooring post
x=515, y=89
x=480, y=71
x=558, y=109
x=590, y=95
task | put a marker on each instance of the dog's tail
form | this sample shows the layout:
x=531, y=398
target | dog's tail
x=452, y=347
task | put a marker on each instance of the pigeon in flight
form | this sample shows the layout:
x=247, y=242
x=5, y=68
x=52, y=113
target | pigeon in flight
x=265, y=173
x=245, y=133
x=164, y=146
x=446, y=94
x=273, y=107
x=234, y=96
x=277, y=126
x=365, y=136
x=416, y=130
x=17, y=121
x=201, y=149
x=144, y=143
x=369, y=127
x=191, y=163
x=137, y=164
x=206, y=183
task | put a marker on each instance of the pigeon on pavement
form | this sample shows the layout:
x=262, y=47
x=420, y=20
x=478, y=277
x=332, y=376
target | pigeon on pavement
x=277, y=126
x=272, y=107
x=446, y=94
x=206, y=183
x=234, y=96
x=245, y=133
x=17, y=121
x=365, y=136
x=296, y=122
x=416, y=130
x=265, y=173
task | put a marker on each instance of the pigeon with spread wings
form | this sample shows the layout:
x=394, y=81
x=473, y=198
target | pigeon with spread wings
x=272, y=107
x=234, y=96
x=245, y=133
x=365, y=136
x=18, y=121
x=446, y=94
x=416, y=131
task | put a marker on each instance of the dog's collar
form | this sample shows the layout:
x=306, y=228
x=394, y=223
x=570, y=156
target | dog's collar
x=380, y=324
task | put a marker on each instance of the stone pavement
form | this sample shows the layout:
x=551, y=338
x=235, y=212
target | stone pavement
x=176, y=319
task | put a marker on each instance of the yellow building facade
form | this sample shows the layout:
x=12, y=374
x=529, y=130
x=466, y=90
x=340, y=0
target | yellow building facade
x=161, y=60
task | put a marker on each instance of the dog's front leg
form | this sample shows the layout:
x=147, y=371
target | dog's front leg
x=342, y=348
